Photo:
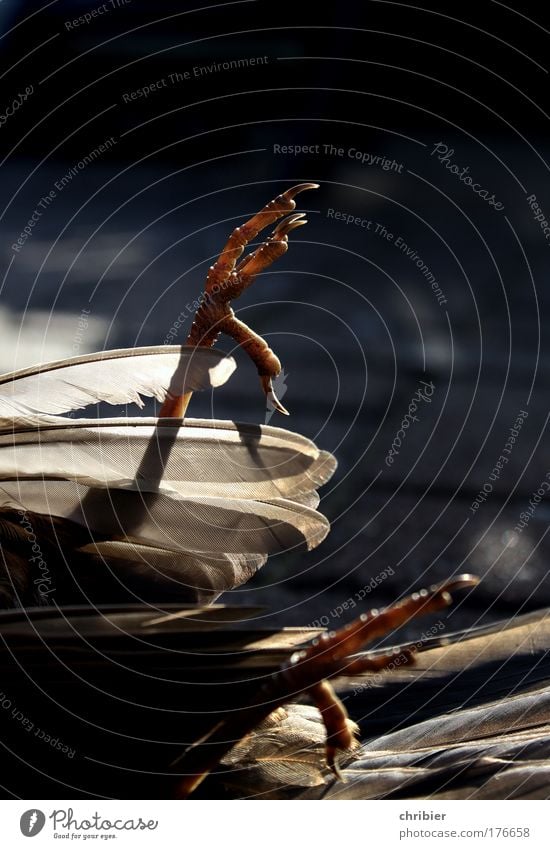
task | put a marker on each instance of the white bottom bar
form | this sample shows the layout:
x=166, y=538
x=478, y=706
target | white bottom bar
x=276, y=825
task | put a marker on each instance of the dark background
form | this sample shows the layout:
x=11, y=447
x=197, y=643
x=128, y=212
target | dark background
x=352, y=318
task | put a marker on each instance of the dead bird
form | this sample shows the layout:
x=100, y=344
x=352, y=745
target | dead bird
x=96, y=511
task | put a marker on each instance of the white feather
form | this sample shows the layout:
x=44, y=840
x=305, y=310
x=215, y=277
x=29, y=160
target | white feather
x=117, y=377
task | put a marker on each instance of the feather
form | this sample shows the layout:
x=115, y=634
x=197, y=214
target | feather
x=286, y=751
x=194, y=575
x=469, y=720
x=194, y=458
x=170, y=509
x=166, y=519
x=79, y=567
x=220, y=626
x=497, y=747
x=117, y=377
x=129, y=668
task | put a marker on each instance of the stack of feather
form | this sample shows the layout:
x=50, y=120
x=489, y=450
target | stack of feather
x=188, y=511
x=118, y=534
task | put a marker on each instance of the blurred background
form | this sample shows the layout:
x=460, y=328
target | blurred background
x=134, y=136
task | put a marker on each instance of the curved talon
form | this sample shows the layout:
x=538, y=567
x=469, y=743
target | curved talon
x=458, y=583
x=301, y=187
x=267, y=386
x=288, y=224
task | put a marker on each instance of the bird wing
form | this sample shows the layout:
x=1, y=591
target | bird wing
x=469, y=720
x=196, y=505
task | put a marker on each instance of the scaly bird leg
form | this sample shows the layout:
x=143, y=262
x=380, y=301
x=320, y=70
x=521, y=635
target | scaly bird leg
x=225, y=282
x=329, y=656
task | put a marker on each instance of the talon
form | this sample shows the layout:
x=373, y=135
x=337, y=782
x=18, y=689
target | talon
x=267, y=386
x=287, y=224
x=301, y=187
x=458, y=583
x=333, y=765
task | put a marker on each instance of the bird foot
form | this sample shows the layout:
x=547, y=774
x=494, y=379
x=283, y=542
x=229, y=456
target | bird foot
x=332, y=655
x=226, y=281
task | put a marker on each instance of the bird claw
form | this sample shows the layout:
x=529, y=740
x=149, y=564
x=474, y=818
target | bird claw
x=226, y=281
x=307, y=672
x=332, y=655
x=288, y=224
x=272, y=399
